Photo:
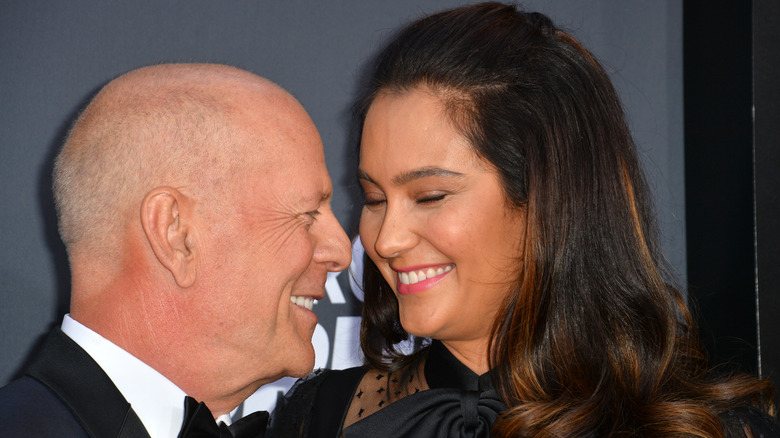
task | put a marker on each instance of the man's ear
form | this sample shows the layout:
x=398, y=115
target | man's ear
x=168, y=231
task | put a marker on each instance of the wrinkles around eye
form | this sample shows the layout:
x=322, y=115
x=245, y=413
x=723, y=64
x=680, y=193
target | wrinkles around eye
x=309, y=218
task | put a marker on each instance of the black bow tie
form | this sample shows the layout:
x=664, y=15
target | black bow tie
x=439, y=413
x=199, y=423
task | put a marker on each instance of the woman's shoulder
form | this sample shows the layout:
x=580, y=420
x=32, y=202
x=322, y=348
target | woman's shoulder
x=336, y=382
x=738, y=421
x=316, y=402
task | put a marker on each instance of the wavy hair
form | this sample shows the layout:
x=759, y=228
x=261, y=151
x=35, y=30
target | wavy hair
x=592, y=337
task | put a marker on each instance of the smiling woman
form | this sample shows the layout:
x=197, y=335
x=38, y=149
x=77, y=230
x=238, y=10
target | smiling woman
x=436, y=224
x=507, y=224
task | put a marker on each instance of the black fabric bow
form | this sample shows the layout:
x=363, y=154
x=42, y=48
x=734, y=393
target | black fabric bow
x=436, y=413
x=199, y=423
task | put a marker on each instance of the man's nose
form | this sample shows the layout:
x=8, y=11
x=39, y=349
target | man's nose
x=333, y=247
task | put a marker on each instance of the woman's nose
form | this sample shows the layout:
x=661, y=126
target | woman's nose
x=395, y=235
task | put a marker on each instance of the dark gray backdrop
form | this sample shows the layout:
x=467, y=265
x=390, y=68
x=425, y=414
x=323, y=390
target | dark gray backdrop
x=55, y=55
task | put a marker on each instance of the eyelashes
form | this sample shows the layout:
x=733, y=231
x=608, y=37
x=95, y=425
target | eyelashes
x=431, y=199
x=426, y=200
x=373, y=202
x=310, y=217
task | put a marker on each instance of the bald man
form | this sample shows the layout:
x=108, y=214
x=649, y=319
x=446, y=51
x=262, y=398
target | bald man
x=194, y=203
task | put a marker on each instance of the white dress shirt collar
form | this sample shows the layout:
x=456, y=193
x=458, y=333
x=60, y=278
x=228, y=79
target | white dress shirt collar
x=158, y=403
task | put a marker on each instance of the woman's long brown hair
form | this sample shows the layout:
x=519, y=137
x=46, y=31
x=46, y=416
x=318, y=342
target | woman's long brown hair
x=593, y=336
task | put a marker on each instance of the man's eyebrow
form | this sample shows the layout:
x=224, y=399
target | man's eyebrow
x=411, y=175
x=318, y=198
x=325, y=197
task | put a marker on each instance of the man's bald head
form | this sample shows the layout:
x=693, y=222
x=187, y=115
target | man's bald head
x=160, y=125
x=195, y=204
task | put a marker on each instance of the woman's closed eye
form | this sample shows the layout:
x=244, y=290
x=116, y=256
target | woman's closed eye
x=432, y=199
x=373, y=202
x=376, y=202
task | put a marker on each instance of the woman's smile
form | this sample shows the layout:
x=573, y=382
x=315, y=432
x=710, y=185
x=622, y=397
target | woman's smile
x=415, y=280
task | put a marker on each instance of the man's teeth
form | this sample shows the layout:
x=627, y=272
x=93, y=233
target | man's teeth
x=413, y=277
x=307, y=302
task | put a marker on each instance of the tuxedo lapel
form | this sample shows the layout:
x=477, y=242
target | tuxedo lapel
x=84, y=387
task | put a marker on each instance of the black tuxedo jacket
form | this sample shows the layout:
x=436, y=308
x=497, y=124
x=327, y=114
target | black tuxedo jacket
x=65, y=393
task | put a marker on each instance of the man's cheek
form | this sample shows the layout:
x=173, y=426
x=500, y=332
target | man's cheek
x=284, y=241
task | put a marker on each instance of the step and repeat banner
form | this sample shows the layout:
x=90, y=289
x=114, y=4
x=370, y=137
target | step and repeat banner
x=56, y=55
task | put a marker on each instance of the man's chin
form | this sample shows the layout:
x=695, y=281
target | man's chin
x=302, y=372
x=303, y=363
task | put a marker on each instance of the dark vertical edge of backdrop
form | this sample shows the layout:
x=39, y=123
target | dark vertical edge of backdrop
x=717, y=65
x=766, y=89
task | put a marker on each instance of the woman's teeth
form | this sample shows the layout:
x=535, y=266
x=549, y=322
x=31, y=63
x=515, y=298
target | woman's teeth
x=307, y=302
x=413, y=277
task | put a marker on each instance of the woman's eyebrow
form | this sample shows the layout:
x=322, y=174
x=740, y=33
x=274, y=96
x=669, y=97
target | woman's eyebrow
x=411, y=175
